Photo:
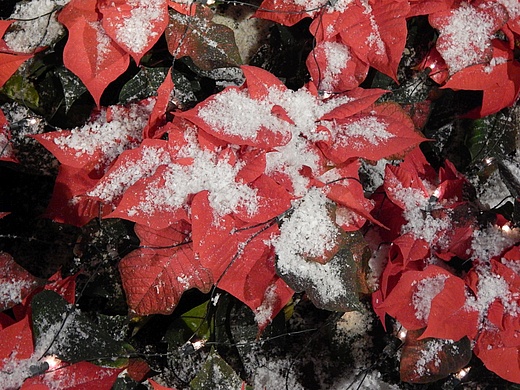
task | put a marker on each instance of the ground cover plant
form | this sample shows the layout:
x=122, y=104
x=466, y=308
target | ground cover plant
x=301, y=194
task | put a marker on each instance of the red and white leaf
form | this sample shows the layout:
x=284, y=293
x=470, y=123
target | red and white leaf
x=15, y=282
x=380, y=132
x=134, y=25
x=9, y=64
x=90, y=53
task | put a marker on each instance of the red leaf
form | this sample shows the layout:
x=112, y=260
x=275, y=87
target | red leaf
x=334, y=69
x=358, y=99
x=259, y=82
x=502, y=360
x=9, y=64
x=499, y=79
x=157, y=386
x=432, y=298
x=284, y=12
x=237, y=255
x=382, y=131
x=155, y=275
x=90, y=53
x=375, y=31
x=68, y=205
x=135, y=26
x=78, y=376
x=160, y=107
x=17, y=342
x=15, y=282
x=466, y=32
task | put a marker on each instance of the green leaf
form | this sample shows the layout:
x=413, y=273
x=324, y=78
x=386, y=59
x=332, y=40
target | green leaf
x=72, y=86
x=493, y=136
x=63, y=331
x=144, y=84
x=19, y=88
x=216, y=374
x=196, y=320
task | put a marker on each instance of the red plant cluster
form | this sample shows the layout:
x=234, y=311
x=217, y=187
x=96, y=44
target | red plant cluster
x=214, y=190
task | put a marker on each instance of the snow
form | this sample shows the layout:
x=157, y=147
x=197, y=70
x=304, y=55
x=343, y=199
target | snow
x=430, y=355
x=11, y=290
x=170, y=191
x=247, y=117
x=264, y=312
x=492, y=241
x=136, y=31
x=468, y=33
x=37, y=25
x=310, y=232
x=425, y=291
x=337, y=56
x=111, y=136
x=356, y=134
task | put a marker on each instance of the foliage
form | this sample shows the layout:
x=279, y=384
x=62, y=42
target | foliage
x=206, y=203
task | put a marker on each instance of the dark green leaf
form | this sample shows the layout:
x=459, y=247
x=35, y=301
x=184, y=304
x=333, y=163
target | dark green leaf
x=67, y=333
x=216, y=374
x=73, y=88
x=144, y=84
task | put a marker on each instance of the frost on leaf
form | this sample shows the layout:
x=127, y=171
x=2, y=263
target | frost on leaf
x=428, y=360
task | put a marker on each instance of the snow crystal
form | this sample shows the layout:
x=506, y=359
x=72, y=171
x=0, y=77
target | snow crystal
x=370, y=129
x=425, y=291
x=491, y=192
x=104, y=43
x=136, y=31
x=468, y=34
x=374, y=39
x=337, y=56
x=123, y=131
x=11, y=291
x=316, y=5
x=512, y=6
x=309, y=232
x=37, y=25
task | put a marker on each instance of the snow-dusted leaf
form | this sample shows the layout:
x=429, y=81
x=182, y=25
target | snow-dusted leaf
x=73, y=88
x=90, y=53
x=144, y=84
x=74, y=336
x=433, y=298
x=379, y=132
x=208, y=44
x=334, y=69
x=499, y=78
x=216, y=374
x=134, y=25
x=310, y=234
x=15, y=282
x=428, y=360
x=375, y=31
x=95, y=145
x=466, y=31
